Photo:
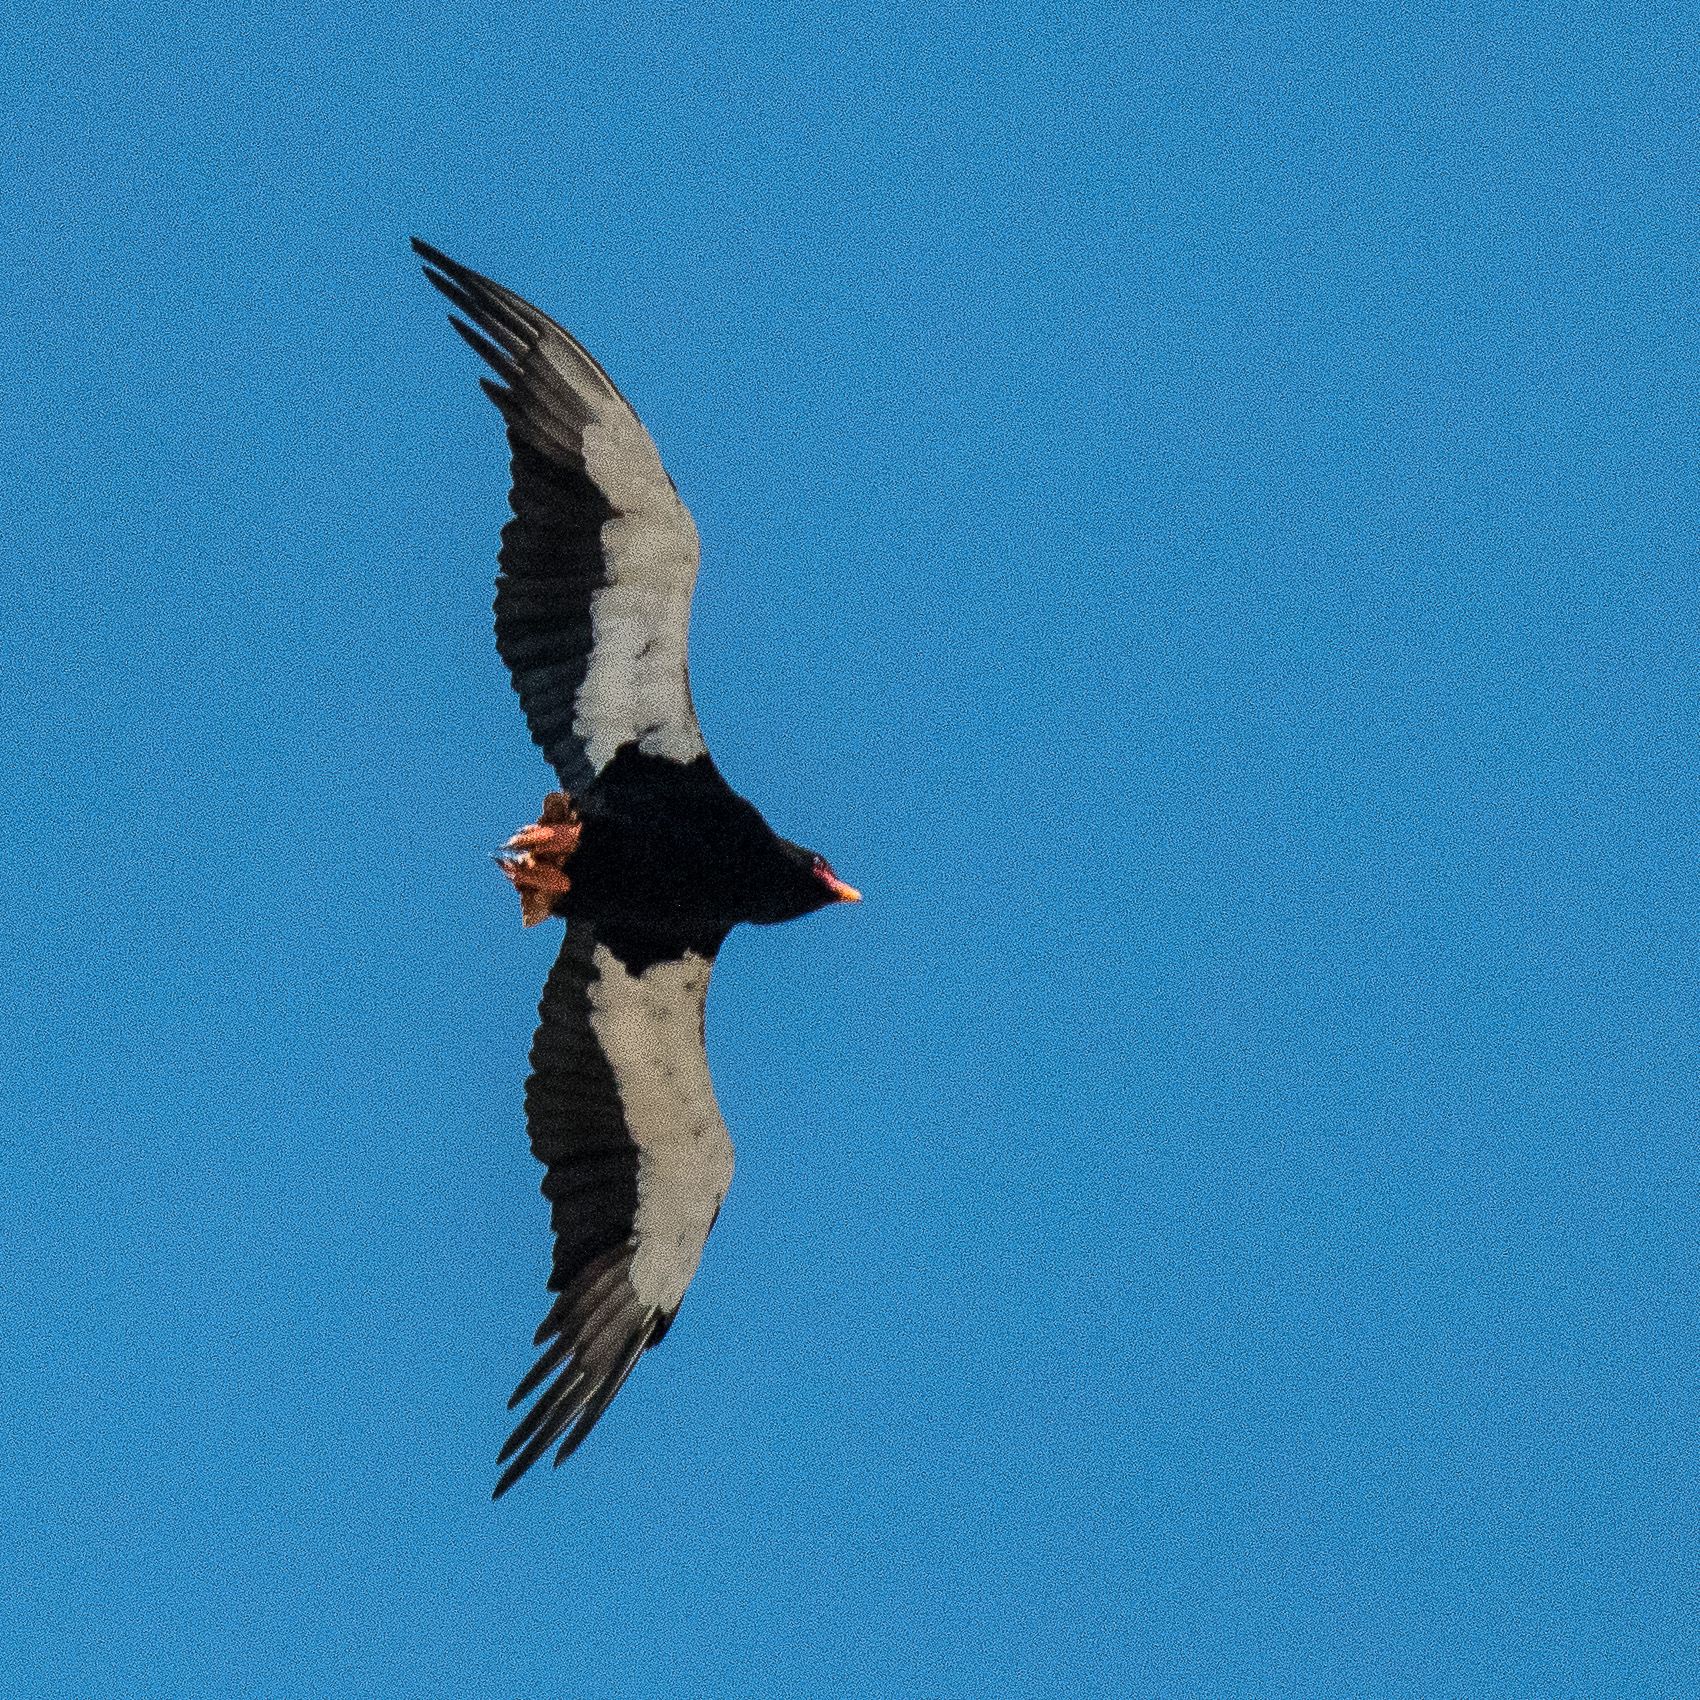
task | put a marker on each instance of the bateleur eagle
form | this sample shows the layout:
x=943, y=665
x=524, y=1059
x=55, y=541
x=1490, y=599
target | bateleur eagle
x=645, y=852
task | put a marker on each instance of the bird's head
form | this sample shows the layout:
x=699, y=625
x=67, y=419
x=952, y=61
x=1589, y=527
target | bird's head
x=809, y=884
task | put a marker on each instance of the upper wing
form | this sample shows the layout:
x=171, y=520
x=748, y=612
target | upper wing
x=593, y=600
x=621, y=1108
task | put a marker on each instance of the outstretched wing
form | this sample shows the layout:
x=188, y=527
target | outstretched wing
x=593, y=599
x=621, y=1109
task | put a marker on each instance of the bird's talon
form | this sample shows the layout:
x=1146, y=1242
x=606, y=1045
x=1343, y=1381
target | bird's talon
x=561, y=839
x=535, y=858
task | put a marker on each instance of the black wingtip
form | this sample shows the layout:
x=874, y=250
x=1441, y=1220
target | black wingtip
x=450, y=276
x=497, y=359
x=441, y=273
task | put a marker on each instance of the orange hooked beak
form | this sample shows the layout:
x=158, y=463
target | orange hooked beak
x=841, y=893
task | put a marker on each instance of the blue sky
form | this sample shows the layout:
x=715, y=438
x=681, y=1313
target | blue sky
x=1199, y=515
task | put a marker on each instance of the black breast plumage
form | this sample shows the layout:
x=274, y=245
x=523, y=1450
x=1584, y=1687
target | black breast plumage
x=646, y=853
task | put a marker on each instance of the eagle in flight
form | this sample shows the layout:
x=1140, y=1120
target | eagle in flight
x=645, y=852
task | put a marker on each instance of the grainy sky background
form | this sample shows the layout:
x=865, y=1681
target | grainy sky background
x=1200, y=523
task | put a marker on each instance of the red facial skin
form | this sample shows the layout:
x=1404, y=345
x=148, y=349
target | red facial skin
x=841, y=893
